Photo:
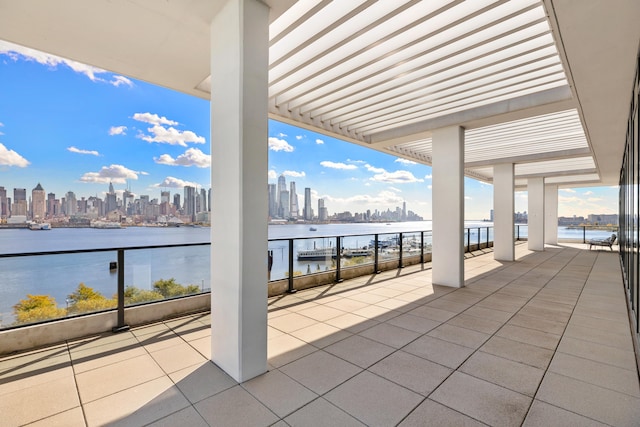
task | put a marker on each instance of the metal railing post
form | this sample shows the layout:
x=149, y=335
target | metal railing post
x=468, y=239
x=422, y=247
x=517, y=232
x=584, y=234
x=478, y=248
x=375, y=255
x=120, y=326
x=400, y=258
x=338, y=258
x=291, y=289
x=487, y=237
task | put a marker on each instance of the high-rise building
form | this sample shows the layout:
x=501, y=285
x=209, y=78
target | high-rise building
x=190, y=202
x=176, y=201
x=273, y=201
x=323, y=213
x=284, y=204
x=4, y=203
x=404, y=211
x=71, y=204
x=282, y=186
x=293, y=200
x=203, y=200
x=111, y=204
x=38, y=203
x=51, y=205
x=308, y=210
x=19, y=202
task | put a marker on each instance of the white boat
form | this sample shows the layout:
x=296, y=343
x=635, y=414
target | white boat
x=39, y=226
x=316, y=254
x=106, y=225
x=352, y=253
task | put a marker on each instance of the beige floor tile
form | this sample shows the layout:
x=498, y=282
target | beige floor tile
x=39, y=401
x=518, y=351
x=291, y=322
x=351, y=323
x=457, y=335
x=397, y=305
x=321, y=413
x=198, y=382
x=203, y=346
x=390, y=335
x=596, y=373
x=414, y=323
x=108, y=340
x=434, y=414
x=22, y=377
x=187, y=417
x=439, y=351
x=279, y=393
x=235, y=407
x=538, y=324
x=360, y=351
x=157, y=329
x=367, y=297
x=321, y=313
x=374, y=400
x=153, y=343
x=285, y=349
x=377, y=313
x=487, y=313
x=591, y=401
x=478, y=324
x=482, y=400
x=504, y=372
x=448, y=305
x=71, y=418
x=346, y=305
x=432, y=313
x=611, y=326
x=112, y=378
x=542, y=414
x=321, y=335
x=598, y=336
x=624, y=359
x=545, y=314
x=136, y=406
x=33, y=357
x=529, y=336
x=174, y=358
x=413, y=372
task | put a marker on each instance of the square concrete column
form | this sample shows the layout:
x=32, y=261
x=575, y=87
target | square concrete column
x=551, y=214
x=503, y=207
x=448, y=206
x=239, y=135
x=535, y=188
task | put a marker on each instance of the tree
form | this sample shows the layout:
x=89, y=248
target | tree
x=36, y=308
x=85, y=299
x=169, y=288
x=133, y=295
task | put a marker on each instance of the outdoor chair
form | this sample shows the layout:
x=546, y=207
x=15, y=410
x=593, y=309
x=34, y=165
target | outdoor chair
x=609, y=241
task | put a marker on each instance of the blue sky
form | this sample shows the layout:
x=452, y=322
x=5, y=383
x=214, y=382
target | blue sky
x=73, y=127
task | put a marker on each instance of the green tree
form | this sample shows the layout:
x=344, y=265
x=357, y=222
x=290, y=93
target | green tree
x=85, y=299
x=133, y=295
x=36, y=308
x=169, y=288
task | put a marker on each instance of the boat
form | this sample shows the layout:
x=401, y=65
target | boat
x=316, y=254
x=313, y=229
x=39, y=226
x=104, y=225
x=352, y=253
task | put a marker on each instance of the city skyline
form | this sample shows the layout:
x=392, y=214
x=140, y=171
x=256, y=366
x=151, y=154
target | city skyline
x=74, y=127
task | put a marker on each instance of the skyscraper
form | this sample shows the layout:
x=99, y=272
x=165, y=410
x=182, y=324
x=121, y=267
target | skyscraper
x=308, y=211
x=51, y=205
x=282, y=186
x=190, y=202
x=293, y=200
x=323, y=214
x=71, y=204
x=4, y=203
x=19, y=202
x=38, y=203
x=110, y=201
x=273, y=201
x=284, y=204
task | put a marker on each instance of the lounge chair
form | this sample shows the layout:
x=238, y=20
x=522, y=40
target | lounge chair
x=609, y=241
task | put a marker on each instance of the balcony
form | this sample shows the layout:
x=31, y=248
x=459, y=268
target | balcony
x=541, y=341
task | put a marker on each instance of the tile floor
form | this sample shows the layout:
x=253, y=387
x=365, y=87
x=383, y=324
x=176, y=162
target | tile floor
x=543, y=341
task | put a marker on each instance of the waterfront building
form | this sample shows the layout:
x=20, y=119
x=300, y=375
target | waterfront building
x=70, y=204
x=190, y=202
x=176, y=201
x=501, y=92
x=308, y=210
x=53, y=205
x=284, y=205
x=19, y=206
x=4, y=205
x=323, y=213
x=282, y=186
x=273, y=201
x=293, y=200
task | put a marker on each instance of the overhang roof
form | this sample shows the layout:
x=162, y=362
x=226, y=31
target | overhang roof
x=544, y=84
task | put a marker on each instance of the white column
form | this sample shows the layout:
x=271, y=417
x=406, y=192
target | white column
x=535, y=188
x=448, y=206
x=503, y=207
x=239, y=133
x=551, y=214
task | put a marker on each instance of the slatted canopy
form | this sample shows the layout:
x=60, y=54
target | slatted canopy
x=543, y=84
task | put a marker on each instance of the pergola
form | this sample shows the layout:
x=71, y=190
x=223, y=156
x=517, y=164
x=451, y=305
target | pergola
x=522, y=94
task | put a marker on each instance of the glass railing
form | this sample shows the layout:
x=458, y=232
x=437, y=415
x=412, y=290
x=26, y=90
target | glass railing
x=45, y=286
x=573, y=233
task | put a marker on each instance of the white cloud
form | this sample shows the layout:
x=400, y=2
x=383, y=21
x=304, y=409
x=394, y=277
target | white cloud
x=299, y=137
x=117, y=130
x=154, y=119
x=117, y=174
x=594, y=199
x=17, y=52
x=382, y=198
x=333, y=165
x=276, y=144
x=11, y=158
x=272, y=174
x=405, y=161
x=319, y=141
x=282, y=135
x=588, y=193
x=79, y=151
x=397, y=190
x=171, y=136
x=468, y=198
x=172, y=182
x=397, y=177
x=568, y=190
x=1, y=124
x=294, y=174
x=430, y=187
x=356, y=161
x=191, y=157
x=428, y=176
x=373, y=168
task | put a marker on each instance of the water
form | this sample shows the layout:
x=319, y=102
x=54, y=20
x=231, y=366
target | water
x=59, y=275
